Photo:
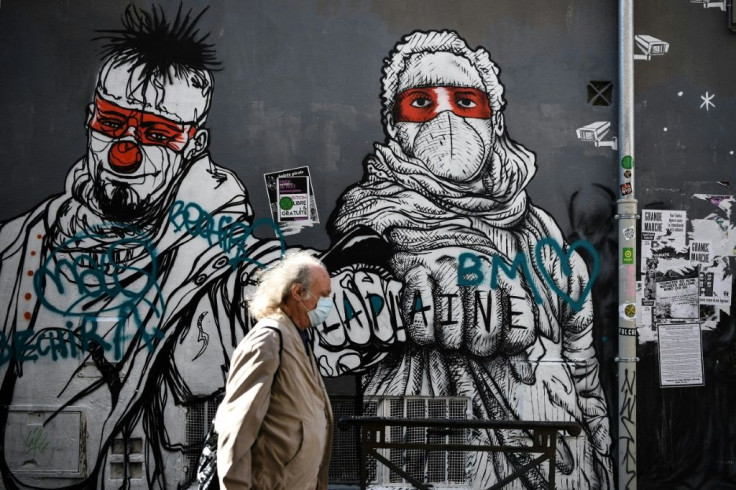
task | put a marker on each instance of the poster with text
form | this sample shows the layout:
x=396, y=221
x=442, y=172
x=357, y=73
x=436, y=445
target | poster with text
x=293, y=198
x=680, y=354
x=676, y=293
x=663, y=233
x=271, y=180
x=716, y=281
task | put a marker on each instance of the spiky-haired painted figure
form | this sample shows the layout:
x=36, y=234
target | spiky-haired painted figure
x=113, y=300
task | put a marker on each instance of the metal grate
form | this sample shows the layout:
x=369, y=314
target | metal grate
x=344, y=466
x=344, y=458
x=447, y=468
x=199, y=418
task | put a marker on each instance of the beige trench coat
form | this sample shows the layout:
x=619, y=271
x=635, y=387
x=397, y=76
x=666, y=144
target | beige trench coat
x=274, y=432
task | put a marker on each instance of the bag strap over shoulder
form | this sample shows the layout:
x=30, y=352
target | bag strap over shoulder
x=281, y=345
x=273, y=325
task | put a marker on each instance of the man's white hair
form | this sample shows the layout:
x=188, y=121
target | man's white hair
x=433, y=42
x=275, y=282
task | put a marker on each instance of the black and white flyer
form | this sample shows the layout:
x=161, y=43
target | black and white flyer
x=676, y=293
x=284, y=188
x=663, y=233
x=680, y=355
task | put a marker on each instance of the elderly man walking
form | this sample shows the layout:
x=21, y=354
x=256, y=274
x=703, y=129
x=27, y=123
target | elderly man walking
x=275, y=422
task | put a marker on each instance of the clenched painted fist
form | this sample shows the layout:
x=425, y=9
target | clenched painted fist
x=364, y=324
x=498, y=316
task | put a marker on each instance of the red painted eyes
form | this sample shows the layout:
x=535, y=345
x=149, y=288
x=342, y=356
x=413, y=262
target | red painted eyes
x=423, y=104
x=148, y=129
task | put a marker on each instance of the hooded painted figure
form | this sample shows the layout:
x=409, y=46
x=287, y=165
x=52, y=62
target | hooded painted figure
x=495, y=303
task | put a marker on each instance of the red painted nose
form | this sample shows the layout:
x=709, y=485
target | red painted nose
x=125, y=157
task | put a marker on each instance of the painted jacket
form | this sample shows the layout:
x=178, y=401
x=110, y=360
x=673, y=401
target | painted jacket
x=275, y=422
x=105, y=337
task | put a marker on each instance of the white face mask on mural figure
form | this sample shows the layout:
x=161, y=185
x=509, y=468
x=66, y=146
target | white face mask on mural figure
x=140, y=138
x=451, y=147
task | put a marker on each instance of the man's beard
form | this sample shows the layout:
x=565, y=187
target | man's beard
x=115, y=202
x=119, y=202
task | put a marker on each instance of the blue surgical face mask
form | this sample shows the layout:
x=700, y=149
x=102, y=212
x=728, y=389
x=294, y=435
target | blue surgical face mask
x=320, y=312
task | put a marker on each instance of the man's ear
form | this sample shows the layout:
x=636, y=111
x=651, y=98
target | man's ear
x=200, y=142
x=390, y=128
x=297, y=290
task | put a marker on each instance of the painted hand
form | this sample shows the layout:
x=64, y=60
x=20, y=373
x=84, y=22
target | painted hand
x=496, y=318
x=364, y=323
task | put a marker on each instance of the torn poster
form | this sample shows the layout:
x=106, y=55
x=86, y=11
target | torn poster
x=713, y=221
x=644, y=323
x=710, y=315
x=680, y=355
x=712, y=236
x=677, y=292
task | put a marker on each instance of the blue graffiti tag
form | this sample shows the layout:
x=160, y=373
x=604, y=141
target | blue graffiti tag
x=232, y=236
x=95, y=275
x=70, y=342
x=577, y=305
x=86, y=283
x=471, y=273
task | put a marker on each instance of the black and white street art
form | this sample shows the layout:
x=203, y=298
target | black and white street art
x=495, y=305
x=124, y=295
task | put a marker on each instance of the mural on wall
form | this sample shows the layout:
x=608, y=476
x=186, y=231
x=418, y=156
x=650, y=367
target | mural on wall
x=108, y=288
x=124, y=295
x=492, y=291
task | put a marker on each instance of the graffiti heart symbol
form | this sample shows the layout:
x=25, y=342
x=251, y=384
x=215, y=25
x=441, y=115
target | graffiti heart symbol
x=577, y=305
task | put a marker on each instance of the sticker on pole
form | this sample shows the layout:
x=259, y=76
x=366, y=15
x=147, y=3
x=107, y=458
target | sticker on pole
x=627, y=311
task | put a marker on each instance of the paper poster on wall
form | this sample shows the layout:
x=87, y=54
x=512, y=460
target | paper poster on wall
x=713, y=220
x=716, y=279
x=712, y=241
x=677, y=292
x=680, y=354
x=701, y=251
x=663, y=233
x=649, y=283
x=291, y=199
x=644, y=323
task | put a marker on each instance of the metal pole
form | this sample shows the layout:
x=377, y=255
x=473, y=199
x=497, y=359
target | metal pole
x=627, y=216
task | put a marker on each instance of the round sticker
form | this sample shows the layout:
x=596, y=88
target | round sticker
x=627, y=311
x=286, y=203
x=630, y=310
